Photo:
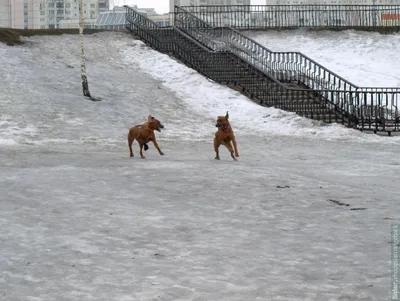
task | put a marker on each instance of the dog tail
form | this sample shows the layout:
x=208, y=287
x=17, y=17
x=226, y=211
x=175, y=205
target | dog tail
x=146, y=147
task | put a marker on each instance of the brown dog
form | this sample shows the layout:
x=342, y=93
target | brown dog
x=143, y=134
x=225, y=136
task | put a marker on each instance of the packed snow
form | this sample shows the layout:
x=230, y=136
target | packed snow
x=80, y=220
x=366, y=59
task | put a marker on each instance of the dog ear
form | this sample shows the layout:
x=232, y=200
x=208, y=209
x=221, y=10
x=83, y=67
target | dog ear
x=227, y=115
x=149, y=118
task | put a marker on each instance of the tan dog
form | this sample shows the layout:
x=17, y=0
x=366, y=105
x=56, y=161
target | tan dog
x=225, y=136
x=143, y=134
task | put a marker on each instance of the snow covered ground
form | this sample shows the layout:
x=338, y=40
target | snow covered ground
x=80, y=220
x=367, y=59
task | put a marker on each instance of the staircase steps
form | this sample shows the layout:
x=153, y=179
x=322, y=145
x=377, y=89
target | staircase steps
x=230, y=69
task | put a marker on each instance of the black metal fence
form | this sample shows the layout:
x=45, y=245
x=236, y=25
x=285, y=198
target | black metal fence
x=281, y=16
x=291, y=66
x=285, y=66
x=157, y=37
x=261, y=73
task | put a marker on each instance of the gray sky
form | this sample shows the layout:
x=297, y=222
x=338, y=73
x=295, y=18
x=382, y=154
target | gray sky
x=161, y=6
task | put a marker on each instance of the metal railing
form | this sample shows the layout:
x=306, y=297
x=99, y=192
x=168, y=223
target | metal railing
x=367, y=109
x=157, y=37
x=280, y=16
x=285, y=66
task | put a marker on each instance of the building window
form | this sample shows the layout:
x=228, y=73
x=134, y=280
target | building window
x=92, y=5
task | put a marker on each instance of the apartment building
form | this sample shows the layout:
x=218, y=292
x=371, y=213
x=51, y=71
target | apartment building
x=19, y=14
x=41, y=14
x=52, y=12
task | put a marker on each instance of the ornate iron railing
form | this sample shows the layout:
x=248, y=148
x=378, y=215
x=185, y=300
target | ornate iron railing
x=285, y=66
x=369, y=109
x=280, y=16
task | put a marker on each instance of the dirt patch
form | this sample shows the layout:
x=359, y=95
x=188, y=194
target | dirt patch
x=12, y=37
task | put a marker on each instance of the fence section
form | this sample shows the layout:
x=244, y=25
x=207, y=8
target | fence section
x=281, y=16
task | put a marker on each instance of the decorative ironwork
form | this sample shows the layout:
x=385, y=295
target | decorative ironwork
x=280, y=16
x=289, y=81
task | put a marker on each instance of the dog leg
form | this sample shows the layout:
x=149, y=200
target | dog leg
x=141, y=151
x=216, y=147
x=235, y=146
x=157, y=147
x=130, y=141
x=228, y=145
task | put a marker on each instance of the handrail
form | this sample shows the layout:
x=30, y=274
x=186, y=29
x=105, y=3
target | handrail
x=279, y=64
x=296, y=52
x=364, y=108
x=130, y=17
x=265, y=56
x=337, y=103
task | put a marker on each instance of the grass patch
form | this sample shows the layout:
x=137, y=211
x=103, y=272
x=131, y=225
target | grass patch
x=12, y=37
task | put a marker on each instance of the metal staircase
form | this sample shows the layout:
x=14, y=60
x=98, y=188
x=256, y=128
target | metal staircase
x=285, y=80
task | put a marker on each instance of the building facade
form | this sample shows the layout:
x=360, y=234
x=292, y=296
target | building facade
x=52, y=12
x=19, y=14
x=42, y=14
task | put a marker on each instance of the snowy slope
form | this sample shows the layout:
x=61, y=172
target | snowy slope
x=80, y=220
x=366, y=59
x=196, y=101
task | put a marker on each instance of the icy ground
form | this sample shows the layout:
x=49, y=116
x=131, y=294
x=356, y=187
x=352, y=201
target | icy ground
x=367, y=59
x=80, y=220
